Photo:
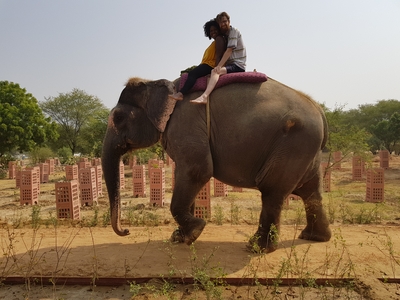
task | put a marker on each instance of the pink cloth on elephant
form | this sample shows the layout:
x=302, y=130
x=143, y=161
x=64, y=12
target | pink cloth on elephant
x=248, y=77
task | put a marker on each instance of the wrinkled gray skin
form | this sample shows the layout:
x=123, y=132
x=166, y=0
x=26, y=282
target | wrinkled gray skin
x=265, y=136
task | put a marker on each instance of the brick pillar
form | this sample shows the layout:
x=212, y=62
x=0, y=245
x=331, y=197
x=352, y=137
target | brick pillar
x=202, y=203
x=157, y=186
x=358, y=168
x=87, y=186
x=169, y=160
x=139, y=181
x=121, y=175
x=29, y=194
x=96, y=162
x=326, y=180
x=84, y=163
x=375, y=185
x=18, y=178
x=99, y=179
x=37, y=170
x=337, y=156
x=71, y=172
x=220, y=189
x=155, y=163
x=132, y=161
x=51, y=165
x=44, y=172
x=384, y=159
x=172, y=175
x=237, y=189
x=11, y=169
x=67, y=200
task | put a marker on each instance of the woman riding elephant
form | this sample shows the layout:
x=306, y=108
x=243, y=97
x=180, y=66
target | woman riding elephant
x=212, y=56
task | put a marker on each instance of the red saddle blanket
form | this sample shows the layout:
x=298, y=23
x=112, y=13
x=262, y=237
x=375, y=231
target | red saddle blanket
x=248, y=77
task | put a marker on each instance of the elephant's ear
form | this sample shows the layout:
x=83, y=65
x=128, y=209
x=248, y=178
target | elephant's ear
x=159, y=105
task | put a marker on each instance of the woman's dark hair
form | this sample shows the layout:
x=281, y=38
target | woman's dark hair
x=207, y=27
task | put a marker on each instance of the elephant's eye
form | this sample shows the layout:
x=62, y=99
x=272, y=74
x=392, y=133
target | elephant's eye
x=118, y=117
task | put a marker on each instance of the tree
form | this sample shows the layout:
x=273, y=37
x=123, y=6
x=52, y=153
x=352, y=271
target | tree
x=378, y=121
x=92, y=133
x=72, y=112
x=23, y=125
x=345, y=137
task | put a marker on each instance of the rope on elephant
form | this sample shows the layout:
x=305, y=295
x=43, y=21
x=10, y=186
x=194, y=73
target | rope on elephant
x=208, y=114
x=208, y=118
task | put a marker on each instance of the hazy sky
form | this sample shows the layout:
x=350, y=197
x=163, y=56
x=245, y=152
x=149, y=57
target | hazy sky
x=343, y=52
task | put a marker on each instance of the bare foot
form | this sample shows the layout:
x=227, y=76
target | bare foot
x=177, y=96
x=201, y=100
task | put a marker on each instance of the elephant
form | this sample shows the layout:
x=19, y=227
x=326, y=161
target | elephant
x=264, y=136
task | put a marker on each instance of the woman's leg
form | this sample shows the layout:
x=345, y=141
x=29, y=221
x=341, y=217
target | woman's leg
x=210, y=86
x=200, y=71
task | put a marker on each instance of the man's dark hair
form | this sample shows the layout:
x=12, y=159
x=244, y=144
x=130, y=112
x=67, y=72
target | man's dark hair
x=207, y=27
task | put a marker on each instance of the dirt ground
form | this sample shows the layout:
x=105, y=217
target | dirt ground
x=367, y=253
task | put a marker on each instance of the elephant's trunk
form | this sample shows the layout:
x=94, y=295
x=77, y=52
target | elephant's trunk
x=110, y=162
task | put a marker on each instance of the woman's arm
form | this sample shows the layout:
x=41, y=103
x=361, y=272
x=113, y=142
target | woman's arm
x=220, y=47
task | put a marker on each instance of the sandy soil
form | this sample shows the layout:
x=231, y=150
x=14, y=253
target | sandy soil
x=355, y=252
x=46, y=256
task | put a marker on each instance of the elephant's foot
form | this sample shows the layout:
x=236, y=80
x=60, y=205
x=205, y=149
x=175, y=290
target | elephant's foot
x=262, y=243
x=190, y=233
x=313, y=234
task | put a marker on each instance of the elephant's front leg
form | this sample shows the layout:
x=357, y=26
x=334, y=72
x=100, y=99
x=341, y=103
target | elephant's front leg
x=182, y=209
x=267, y=235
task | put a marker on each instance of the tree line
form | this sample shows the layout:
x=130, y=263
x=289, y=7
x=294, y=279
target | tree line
x=76, y=122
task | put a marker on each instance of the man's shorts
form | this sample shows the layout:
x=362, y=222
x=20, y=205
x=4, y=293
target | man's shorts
x=233, y=69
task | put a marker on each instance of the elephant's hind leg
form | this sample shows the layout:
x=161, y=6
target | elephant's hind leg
x=267, y=235
x=317, y=228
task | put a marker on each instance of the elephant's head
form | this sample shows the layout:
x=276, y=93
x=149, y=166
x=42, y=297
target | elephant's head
x=136, y=122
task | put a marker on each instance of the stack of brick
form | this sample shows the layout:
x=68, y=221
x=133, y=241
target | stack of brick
x=29, y=183
x=99, y=180
x=202, y=203
x=375, y=185
x=155, y=163
x=87, y=186
x=44, y=172
x=84, y=163
x=358, y=168
x=237, y=189
x=37, y=170
x=326, y=179
x=12, y=169
x=384, y=159
x=172, y=175
x=51, y=163
x=337, y=157
x=139, y=181
x=18, y=178
x=67, y=200
x=157, y=186
x=132, y=161
x=121, y=175
x=220, y=189
x=71, y=172
x=96, y=162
